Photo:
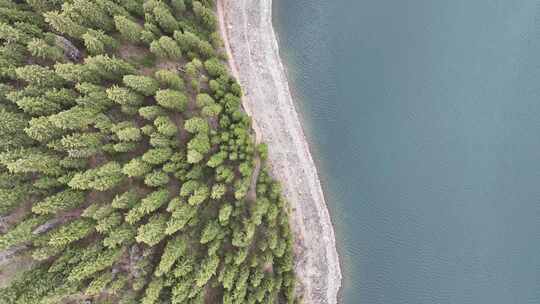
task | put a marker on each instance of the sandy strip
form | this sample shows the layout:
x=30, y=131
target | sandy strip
x=246, y=26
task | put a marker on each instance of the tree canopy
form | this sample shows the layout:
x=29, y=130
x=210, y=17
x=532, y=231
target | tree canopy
x=126, y=161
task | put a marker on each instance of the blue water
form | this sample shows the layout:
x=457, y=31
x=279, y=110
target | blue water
x=424, y=118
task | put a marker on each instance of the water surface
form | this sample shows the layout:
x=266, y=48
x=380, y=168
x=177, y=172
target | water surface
x=424, y=119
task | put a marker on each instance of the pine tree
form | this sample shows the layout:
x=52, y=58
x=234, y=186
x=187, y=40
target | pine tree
x=218, y=190
x=178, y=6
x=205, y=15
x=157, y=178
x=144, y=85
x=31, y=161
x=166, y=47
x=152, y=291
x=152, y=232
x=88, y=267
x=136, y=168
x=76, y=118
x=22, y=232
x=102, y=178
x=99, y=284
x=12, y=129
x=165, y=19
x=172, y=100
x=157, y=156
x=81, y=145
x=71, y=232
x=208, y=269
x=129, y=29
x=151, y=112
x=64, y=24
x=210, y=231
x=197, y=125
x=108, y=68
x=175, y=249
x=41, y=49
x=170, y=79
x=120, y=236
x=165, y=126
x=97, y=42
x=38, y=76
x=148, y=205
x=124, y=96
x=60, y=201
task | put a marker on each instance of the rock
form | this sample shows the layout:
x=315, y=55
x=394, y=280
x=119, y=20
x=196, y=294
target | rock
x=70, y=50
x=47, y=226
x=8, y=254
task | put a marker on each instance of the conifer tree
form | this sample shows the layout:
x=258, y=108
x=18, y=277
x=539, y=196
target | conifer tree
x=165, y=19
x=102, y=178
x=166, y=47
x=170, y=79
x=165, y=126
x=175, y=249
x=124, y=96
x=129, y=29
x=64, y=24
x=152, y=232
x=41, y=49
x=39, y=76
x=97, y=42
x=171, y=99
x=144, y=85
x=136, y=168
x=61, y=201
x=70, y=233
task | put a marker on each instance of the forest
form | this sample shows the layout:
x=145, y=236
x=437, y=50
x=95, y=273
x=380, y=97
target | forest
x=129, y=172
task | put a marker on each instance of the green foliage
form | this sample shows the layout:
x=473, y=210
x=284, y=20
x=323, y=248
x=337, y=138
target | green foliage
x=197, y=125
x=102, y=178
x=165, y=126
x=170, y=79
x=22, y=232
x=175, y=249
x=144, y=85
x=148, y=205
x=38, y=76
x=205, y=15
x=71, y=232
x=31, y=161
x=157, y=156
x=124, y=96
x=94, y=264
x=97, y=42
x=171, y=99
x=41, y=49
x=156, y=178
x=61, y=201
x=64, y=24
x=166, y=47
x=165, y=19
x=152, y=232
x=136, y=167
x=121, y=182
x=130, y=30
x=151, y=295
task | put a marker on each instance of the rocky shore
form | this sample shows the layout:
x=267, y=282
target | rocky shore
x=246, y=27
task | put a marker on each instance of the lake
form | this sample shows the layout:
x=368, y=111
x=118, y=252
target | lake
x=424, y=120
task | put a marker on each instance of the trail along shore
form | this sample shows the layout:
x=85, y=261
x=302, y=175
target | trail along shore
x=251, y=44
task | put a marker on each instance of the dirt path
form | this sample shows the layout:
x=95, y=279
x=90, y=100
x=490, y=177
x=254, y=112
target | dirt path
x=251, y=45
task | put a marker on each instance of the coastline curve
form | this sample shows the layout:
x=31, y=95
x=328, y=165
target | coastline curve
x=254, y=59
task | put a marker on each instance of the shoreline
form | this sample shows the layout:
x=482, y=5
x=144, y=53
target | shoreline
x=254, y=59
